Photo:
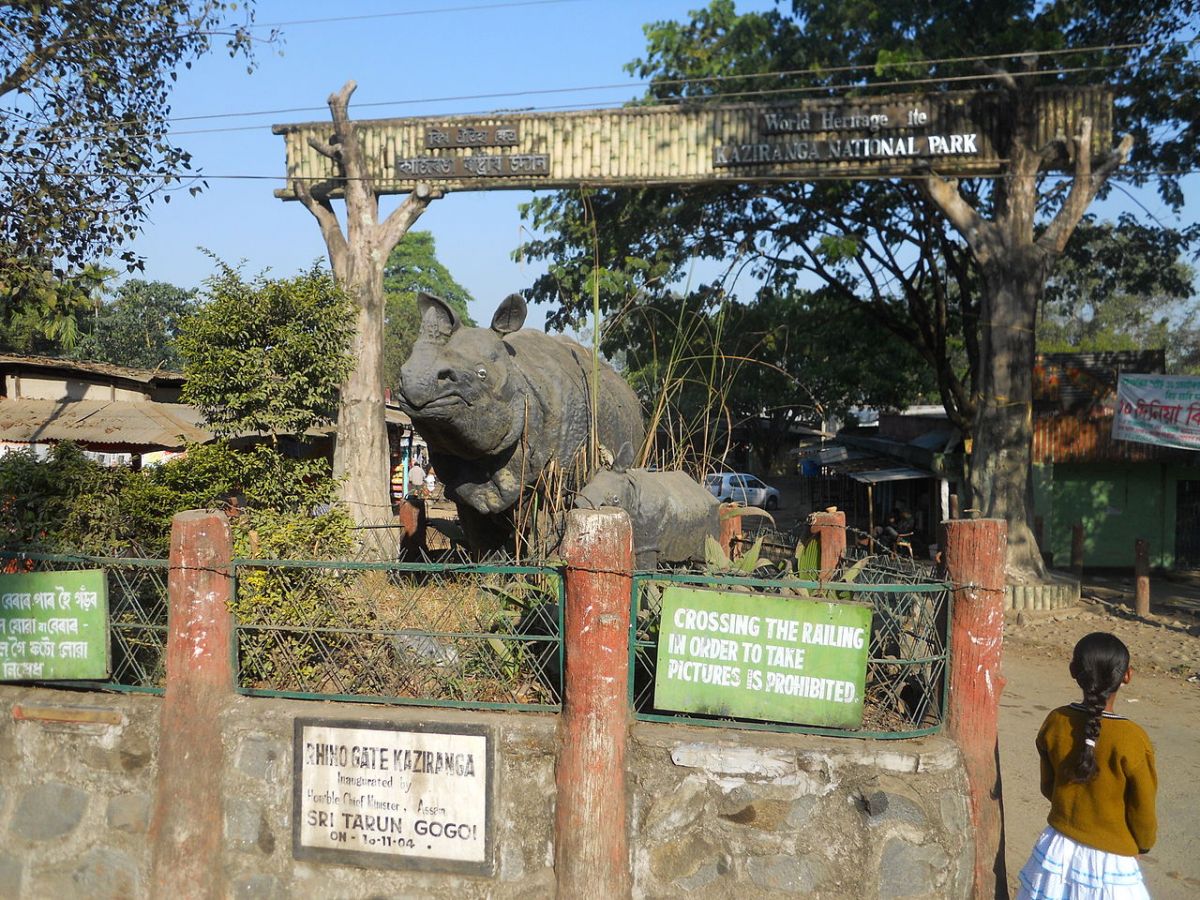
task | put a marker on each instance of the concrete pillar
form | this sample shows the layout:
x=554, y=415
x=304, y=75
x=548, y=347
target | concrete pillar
x=1077, y=551
x=591, y=860
x=1141, y=577
x=975, y=551
x=186, y=822
x=829, y=528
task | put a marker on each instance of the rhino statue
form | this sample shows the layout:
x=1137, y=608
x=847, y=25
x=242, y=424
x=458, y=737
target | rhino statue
x=496, y=405
x=672, y=514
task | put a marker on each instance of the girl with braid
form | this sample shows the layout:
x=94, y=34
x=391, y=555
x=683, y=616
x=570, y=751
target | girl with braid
x=1098, y=774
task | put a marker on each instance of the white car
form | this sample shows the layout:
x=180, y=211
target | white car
x=738, y=487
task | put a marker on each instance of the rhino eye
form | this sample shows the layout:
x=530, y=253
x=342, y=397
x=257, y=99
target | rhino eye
x=613, y=500
x=481, y=372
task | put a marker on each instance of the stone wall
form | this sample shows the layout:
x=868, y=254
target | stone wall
x=727, y=813
x=76, y=787
x=752, y=814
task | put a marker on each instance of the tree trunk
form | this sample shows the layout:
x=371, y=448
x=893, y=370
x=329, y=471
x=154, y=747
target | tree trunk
x=358, y=255
x=361, y=456
x=1015, y=262
x=1000, y=473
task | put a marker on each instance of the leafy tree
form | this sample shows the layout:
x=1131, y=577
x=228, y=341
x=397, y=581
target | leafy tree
x=706, y=366
x=139, y=326
x=1122, y=286
x=413, y=267
x=267, y=356
x=84, y=87
x=954, y=268
x=43, y=314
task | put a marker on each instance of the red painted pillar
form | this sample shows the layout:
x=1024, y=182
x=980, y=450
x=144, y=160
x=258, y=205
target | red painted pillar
x=731, y=531
x=975, y=551
x=591, y=859
x=829, y=527
x=1141, y=577
x=186, y=824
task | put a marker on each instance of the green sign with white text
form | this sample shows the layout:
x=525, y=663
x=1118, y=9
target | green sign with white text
x=54, y=625
x=758, y=656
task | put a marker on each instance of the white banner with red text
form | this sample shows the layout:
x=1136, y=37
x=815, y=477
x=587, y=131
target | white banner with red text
x=1158, y=409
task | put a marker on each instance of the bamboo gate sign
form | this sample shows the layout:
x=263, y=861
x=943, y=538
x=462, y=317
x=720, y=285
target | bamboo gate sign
x=951, y=134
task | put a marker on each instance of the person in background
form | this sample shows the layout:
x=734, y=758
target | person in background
x=416, y=478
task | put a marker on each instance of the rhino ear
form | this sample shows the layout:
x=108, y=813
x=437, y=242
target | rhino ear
x=624, y=458
x=511, y=315
x=438, y=318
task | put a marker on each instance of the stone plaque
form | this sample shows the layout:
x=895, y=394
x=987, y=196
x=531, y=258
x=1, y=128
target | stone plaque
x=54, y=625
x=393, y=796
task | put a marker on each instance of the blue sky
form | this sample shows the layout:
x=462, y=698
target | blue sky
x=417, y=64
x=409, y=57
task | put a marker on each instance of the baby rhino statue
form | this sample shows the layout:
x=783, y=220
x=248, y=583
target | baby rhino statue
x=672, y=513
x=496, y=405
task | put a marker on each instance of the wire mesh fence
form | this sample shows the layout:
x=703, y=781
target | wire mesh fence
x=478, y=635
x=908, y=655
x=137, y=604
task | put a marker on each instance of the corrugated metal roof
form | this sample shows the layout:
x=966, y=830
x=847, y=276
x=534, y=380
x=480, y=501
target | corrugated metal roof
x=1068, y=439
x=144, y=424
x=897, y=473
x=61, y=366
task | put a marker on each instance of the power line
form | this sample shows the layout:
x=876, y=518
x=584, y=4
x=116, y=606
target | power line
x=651, y=182
x=410, y=12
x=724, y=79
x=644, y=103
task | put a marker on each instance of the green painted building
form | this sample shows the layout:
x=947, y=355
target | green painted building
x=1119, y=490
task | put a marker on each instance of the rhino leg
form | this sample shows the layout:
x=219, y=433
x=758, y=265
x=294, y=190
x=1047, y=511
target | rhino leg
x=486, y=533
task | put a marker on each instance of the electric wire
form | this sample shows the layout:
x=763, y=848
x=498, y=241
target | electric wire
x=642, y=103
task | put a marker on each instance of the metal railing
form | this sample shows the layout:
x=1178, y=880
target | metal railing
x=478, y=636
x=907, y=675
x=137, y=604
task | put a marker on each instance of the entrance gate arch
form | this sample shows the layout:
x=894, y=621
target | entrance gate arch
x=935, y=137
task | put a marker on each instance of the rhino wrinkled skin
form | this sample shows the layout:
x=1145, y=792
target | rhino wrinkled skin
x=672, y=513
x=495, y=405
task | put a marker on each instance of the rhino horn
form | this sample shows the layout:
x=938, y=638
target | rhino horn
x=510, y=316
x=438, y=318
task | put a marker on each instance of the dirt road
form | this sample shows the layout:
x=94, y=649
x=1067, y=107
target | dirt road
x=1166, y=651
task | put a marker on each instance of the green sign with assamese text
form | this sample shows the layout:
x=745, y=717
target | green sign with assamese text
x=54, y=626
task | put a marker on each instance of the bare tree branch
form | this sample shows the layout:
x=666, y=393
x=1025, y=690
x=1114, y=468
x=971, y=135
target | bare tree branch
x=402, y=217
x=976, y=230
x=1084, y=187
x=331, y=229
x=325, y=148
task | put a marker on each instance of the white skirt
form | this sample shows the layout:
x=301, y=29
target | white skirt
x=1061, y=869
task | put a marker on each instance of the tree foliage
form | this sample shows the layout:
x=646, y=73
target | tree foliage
x=267, y=356
x=1123, y=286
x=46, y=315
x=413, y=267
x=712, y=368
x=953, y=268
x=138, y=327
x=84, y=106
x=69, y=503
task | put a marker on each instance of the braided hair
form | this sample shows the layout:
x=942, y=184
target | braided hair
x=1098, y=666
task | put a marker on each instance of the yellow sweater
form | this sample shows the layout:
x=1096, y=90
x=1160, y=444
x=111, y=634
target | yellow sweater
x=1114, y=811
